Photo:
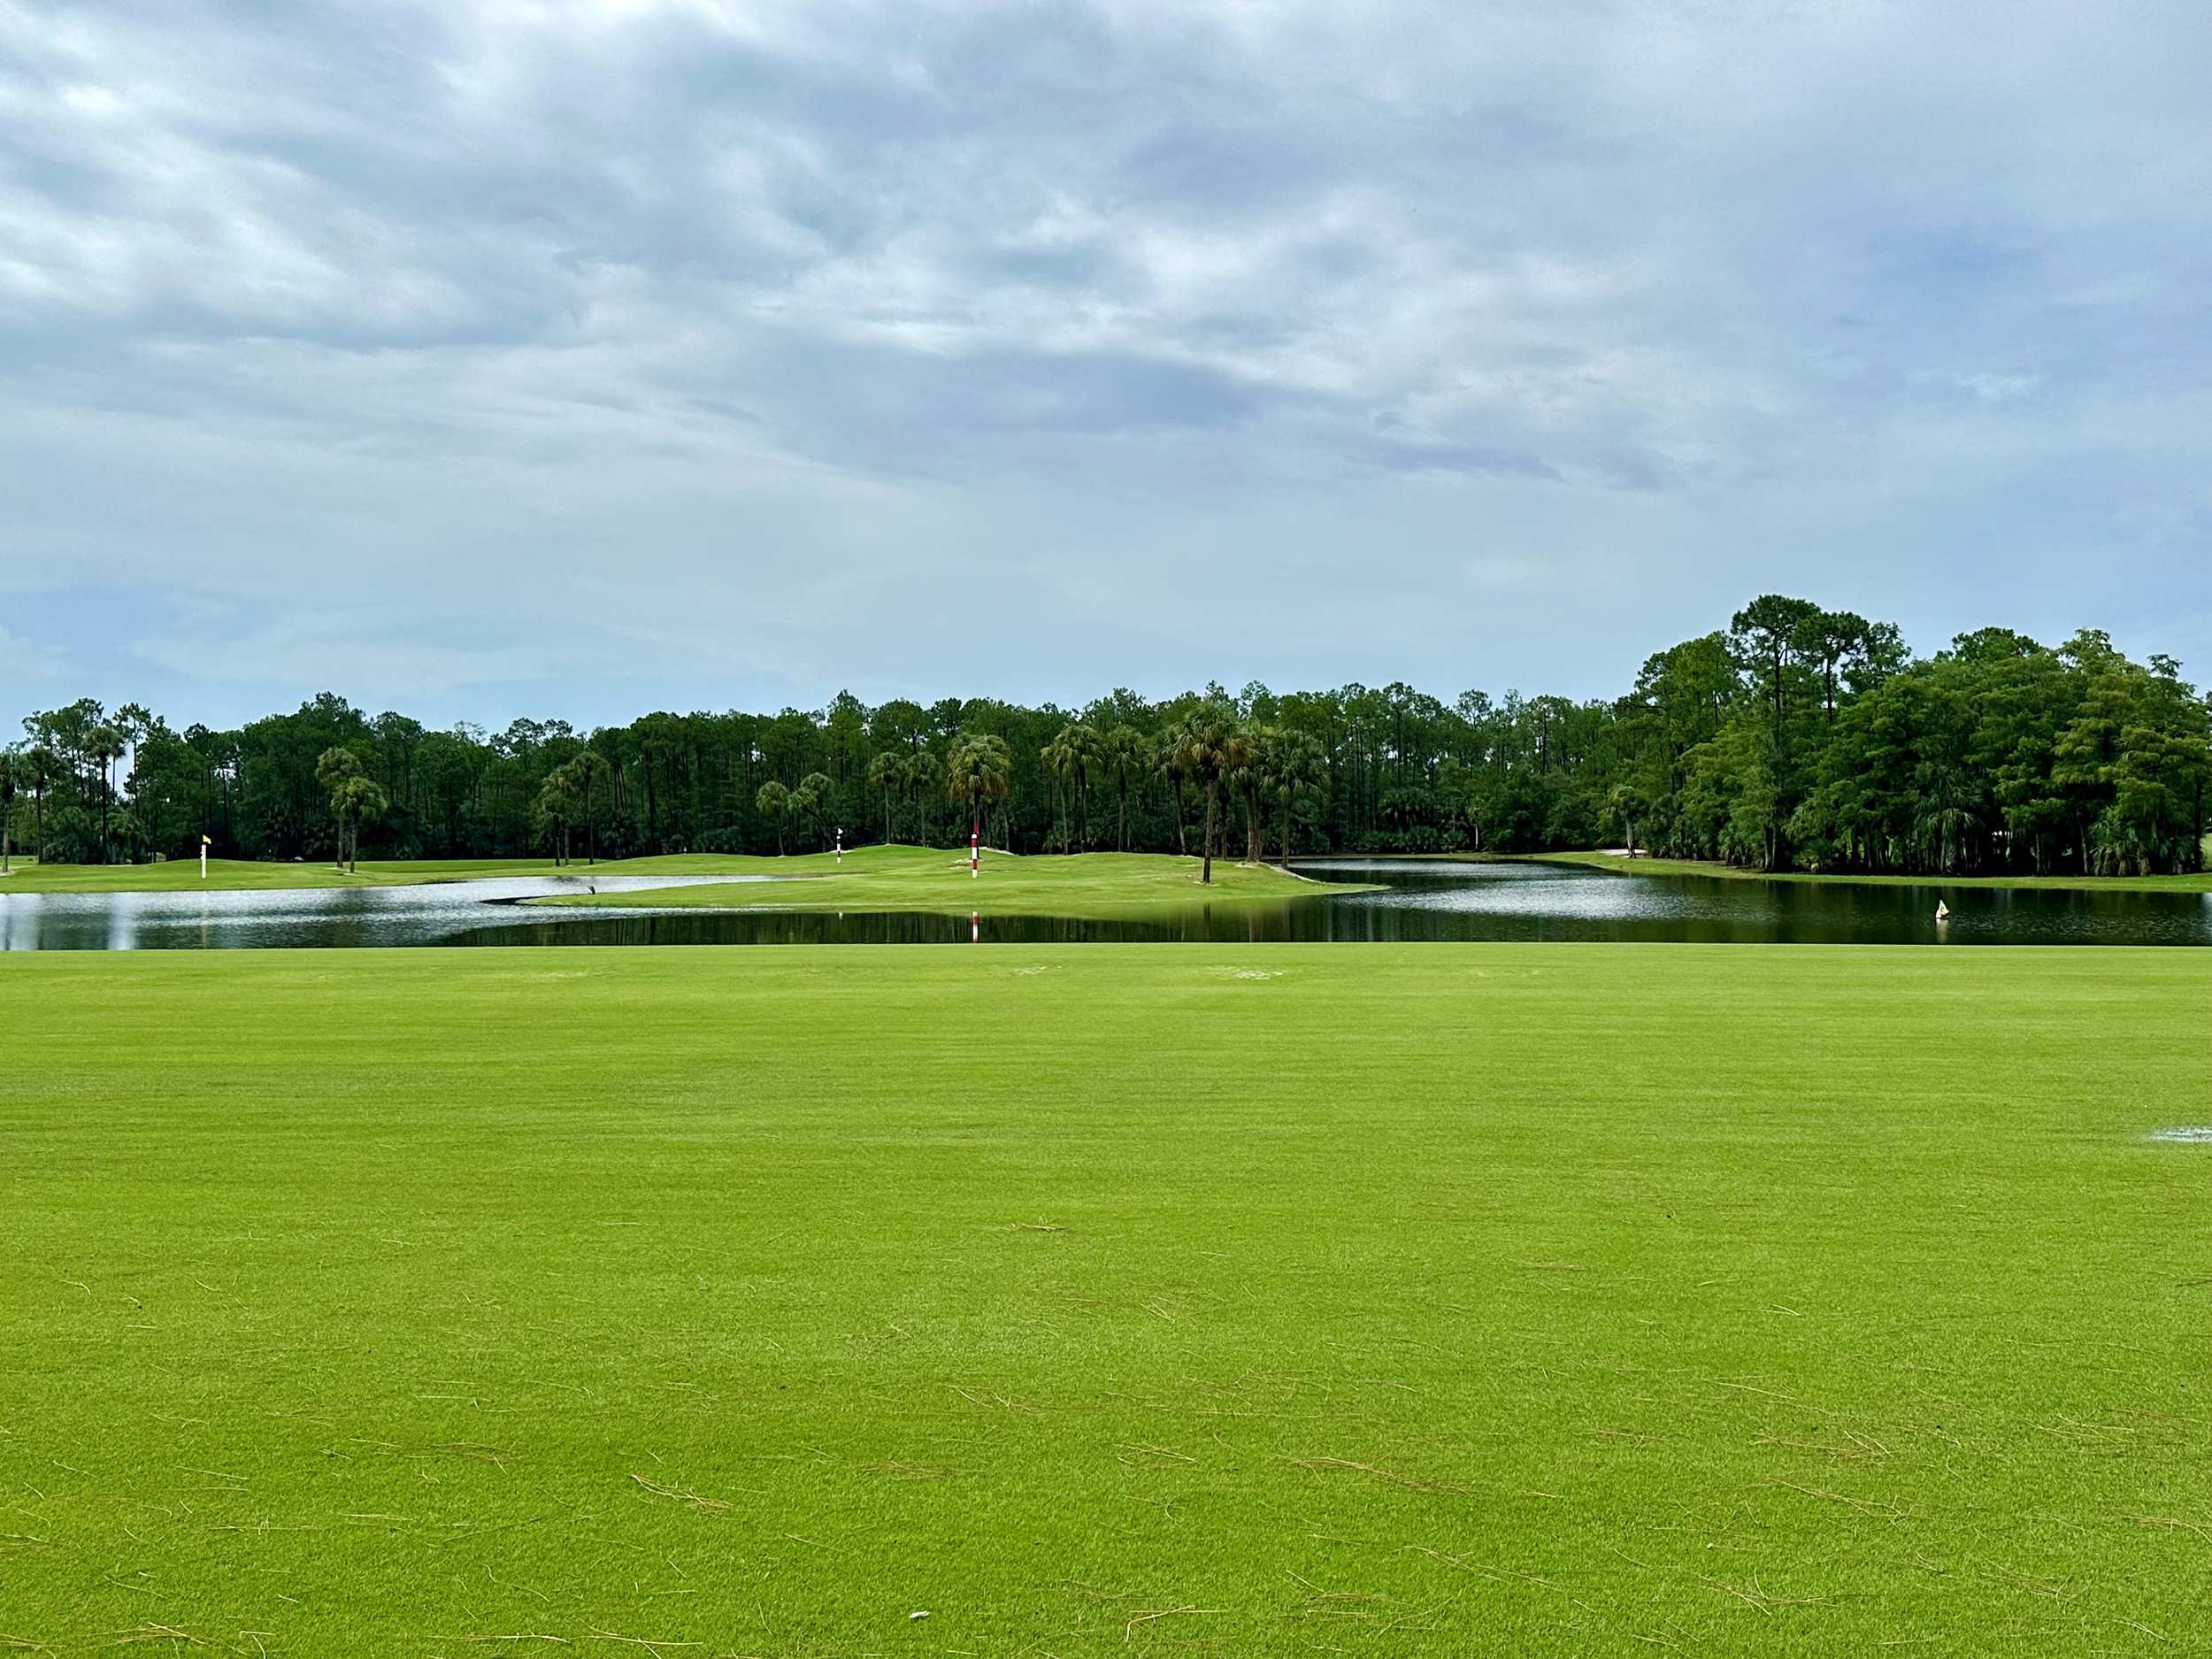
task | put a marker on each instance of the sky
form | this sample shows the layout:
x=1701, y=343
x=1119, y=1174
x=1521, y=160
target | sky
x=579, y=357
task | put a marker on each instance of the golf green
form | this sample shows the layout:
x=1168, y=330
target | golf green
x=1424, y=1299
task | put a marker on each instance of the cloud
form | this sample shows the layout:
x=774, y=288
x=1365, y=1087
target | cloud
x=683, y=304
x=25, y=661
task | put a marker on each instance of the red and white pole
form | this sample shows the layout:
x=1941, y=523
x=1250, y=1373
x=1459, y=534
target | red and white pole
x=975, y=843
x=975, y=928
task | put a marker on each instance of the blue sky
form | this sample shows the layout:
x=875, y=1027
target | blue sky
x=582, y=356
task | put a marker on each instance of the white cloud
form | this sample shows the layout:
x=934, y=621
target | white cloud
x=25, y=662
x=721, y=293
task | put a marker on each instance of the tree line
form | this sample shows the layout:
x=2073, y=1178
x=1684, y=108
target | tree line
x=1796, y=737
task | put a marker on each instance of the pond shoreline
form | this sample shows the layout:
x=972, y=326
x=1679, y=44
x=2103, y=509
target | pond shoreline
x=1333, y=901
x=1615, y=863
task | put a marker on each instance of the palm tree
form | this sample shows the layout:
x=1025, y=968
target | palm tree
x=1086, y=756
x=589, y=767
x=1072, y=757
x=41, y=761
x=1168, y=761
x=773, y=803
x=1059, y=764
x=1122, y=753
x=923, y=776
x=353, y=798
x=1208, y=748
x=978, y=769
x=559, y=803
x=1297, y=769
x=1627, y=802
x=886, y=771
x=107, y=748
x=811, y=799
x=1255, y=754
x=8, y=765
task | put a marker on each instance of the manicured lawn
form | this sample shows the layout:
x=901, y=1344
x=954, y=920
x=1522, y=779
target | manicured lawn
x=2198, y=883
x=1390, y=1301
x=877, y=879
x=870, y=878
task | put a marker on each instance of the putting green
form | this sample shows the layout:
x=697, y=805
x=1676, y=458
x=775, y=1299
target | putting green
x=1426, y=1300
x=874, y=877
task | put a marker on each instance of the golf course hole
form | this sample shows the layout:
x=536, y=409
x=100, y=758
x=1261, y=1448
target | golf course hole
x=2187, y=1134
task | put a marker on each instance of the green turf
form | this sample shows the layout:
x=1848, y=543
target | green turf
x=874, y=878
x=878, y=878
x=1426, y=1300
x=2201, y=882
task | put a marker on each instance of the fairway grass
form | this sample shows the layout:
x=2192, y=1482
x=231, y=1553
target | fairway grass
x=1427, y=1300
x=884, y=879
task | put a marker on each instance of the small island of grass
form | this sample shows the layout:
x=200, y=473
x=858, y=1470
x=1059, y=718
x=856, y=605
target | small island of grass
x=881, y=879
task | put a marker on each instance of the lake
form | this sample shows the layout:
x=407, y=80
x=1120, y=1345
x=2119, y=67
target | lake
x=1421, y=900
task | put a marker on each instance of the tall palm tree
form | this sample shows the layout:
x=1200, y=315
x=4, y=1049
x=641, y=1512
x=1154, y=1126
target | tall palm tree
x=887, y=771
x=811, y=800
x=1208, y=747
x=42, y=764
x=588, y=768
x=773, y=802
x=1254, y=758
x=1627, y=802
x=9, y=764
x=1085, y=760
x=353, y=798
x=1122, y=755
x=1168, y=758
x=559, y=803
x=1298, y=767
x=978, y=770
x=107, y=748
x=1059, y=764
x=923, y=776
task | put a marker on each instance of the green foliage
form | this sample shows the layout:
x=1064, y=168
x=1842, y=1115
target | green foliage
x=979, y=772
x=1798, y=737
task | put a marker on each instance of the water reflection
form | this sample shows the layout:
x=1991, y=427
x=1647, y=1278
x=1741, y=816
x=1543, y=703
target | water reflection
x=1421, y=900
x=1565, y=902
x=337, y=916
